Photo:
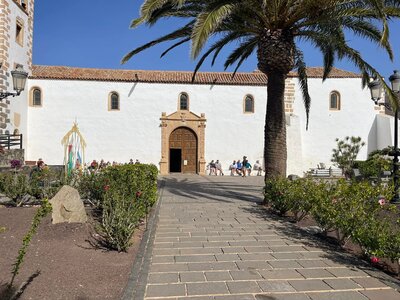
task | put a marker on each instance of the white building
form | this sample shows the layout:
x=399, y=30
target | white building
x=163, y=118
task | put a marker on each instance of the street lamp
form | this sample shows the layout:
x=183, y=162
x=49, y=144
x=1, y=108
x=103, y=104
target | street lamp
x=376, y=95
x=19, y=77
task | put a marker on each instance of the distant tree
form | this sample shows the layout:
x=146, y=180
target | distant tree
x=272, y=30
x=345, y=154
x=377, y=162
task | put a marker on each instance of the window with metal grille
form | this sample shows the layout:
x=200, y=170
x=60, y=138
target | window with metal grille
x=334, y=101
x=37, y=97
x=184, y=101
x=114, y=101
x=249, y=104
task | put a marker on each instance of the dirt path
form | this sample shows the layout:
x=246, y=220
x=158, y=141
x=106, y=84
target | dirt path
x=70, y=268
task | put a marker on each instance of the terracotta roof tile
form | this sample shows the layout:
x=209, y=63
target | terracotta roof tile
x=317, y=72
x=220, y=78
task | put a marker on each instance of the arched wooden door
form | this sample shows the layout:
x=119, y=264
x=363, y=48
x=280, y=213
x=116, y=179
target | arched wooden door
x=183, y=151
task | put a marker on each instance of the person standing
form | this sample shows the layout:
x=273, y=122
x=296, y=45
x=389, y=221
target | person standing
x=218, y=168
x=211, y=167
x=239, y=167
x=232, y=167
x=244, y=164
x=248, y=168
x=257, y=167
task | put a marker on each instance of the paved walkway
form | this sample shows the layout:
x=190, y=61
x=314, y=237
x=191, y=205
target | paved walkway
x=212, y=240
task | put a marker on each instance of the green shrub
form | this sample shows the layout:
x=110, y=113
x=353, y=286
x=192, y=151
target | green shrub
x=44, y=183
x=351, y=208
x=91, y=187
x=391, y=243
x=306, y=194
x=379, y=233
x=324, y=210
x=376, y=238
x=357, y=207
x=39, y=184
x=376, y=163
x=128, y=192
x=14, y=186
x=301, y=196
x=2, y=181
x=134, y=178
x=278, y=195
x=120, y=217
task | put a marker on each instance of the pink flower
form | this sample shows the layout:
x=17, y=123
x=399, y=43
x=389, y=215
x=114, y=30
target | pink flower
x=106, y=187
x=138, y=194
x=374, y=259
x=382, y=201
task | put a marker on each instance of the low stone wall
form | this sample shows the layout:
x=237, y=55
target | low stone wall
x=10, y=155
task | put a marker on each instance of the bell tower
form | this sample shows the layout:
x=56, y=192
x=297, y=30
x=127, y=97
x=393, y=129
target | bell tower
x=16, y=39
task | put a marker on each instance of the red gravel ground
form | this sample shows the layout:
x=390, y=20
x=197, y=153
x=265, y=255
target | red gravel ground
x=70, y=267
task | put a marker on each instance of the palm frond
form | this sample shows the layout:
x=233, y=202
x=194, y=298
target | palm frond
x=177, y=34
x=302, y=73
x=206, y=23
x=247, y=51
x=149, y=6
x=174, y=46
x=244, y=49
x=216, y=47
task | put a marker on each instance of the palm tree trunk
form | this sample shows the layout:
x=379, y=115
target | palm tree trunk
x=275, y=152
x=275, y=55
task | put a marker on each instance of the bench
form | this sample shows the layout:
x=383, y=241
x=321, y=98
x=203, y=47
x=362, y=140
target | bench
x=326, y=172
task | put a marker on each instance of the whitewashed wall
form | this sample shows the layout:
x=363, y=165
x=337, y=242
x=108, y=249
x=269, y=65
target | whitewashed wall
x=355, y=118
x=134, y=132
x=18, y=55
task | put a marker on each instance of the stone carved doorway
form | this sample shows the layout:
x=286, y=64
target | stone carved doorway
x=183, y=151
x=182, y=130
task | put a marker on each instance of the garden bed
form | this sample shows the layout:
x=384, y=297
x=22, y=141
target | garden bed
x=385, y=265
x=70, y=265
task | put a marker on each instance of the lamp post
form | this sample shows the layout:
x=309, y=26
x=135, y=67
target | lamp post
x=19, y=77
x=376, y=95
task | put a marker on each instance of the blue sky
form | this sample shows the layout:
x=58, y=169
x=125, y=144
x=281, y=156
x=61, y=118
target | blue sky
x=96, y=34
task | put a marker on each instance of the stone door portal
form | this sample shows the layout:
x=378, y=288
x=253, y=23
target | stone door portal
x=183, y=151
x=182, y=143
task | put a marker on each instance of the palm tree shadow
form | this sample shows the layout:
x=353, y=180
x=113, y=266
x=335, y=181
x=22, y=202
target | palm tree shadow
x=8, y=292
x=226, y=192
x=264, y=297
x=330, y=247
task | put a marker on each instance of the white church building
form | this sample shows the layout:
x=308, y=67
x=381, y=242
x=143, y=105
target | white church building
x=164, y=118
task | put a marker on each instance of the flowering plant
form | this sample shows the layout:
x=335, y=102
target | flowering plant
x=374, y=259
x=15, y=164
x=382, y=201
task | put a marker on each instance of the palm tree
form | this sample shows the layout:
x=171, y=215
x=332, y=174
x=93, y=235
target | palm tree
x=272, y=30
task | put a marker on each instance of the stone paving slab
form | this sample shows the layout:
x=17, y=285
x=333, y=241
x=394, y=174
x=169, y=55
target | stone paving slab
x=338, y=296
x=213, y=240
